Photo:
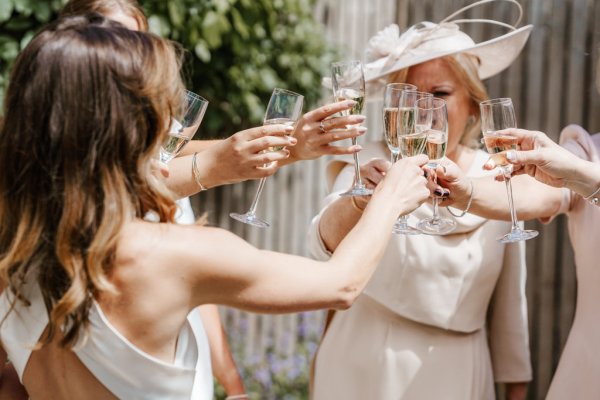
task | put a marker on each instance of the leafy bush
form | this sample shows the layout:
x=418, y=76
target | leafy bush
x=238, y=50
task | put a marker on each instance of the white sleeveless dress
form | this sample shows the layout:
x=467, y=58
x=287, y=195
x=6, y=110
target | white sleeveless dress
x=124, y=369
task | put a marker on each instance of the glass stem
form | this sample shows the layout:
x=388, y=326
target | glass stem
x=511, y=205
x=261, y=185
x=402, y=220
x=357, y=179
x=435, y=218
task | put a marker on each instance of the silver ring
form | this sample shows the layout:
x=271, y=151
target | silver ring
x=322, y=127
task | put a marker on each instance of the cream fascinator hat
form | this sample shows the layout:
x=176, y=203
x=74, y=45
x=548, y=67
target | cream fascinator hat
x=389, y=51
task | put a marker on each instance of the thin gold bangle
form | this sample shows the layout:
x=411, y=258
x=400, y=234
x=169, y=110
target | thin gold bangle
x=196, y=173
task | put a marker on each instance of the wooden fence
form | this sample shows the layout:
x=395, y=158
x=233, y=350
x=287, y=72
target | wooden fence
x=551, y=84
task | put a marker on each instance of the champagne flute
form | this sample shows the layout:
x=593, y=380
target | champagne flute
x=498, y=114
x=285, y=107
x=184, y=129
x=435, y=148
x=399, y=124
x=348, y=83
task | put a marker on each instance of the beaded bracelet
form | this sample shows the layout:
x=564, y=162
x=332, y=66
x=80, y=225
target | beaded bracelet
x=196, y=173
x=593, y=198
x=466, y=210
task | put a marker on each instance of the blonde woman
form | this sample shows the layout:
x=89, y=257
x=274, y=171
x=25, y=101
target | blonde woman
x=97, y=302
x=443, y=317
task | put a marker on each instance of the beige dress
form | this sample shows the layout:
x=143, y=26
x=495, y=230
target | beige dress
x=578, y=373
x=442, y=318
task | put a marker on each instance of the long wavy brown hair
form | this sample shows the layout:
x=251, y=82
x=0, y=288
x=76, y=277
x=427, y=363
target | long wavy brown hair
x=88, y=104
x=130, y=8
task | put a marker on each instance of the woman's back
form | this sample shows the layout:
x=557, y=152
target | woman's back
x=142, y=341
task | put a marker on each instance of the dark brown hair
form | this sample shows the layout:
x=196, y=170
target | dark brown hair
x=130, y=8
x=88, y=104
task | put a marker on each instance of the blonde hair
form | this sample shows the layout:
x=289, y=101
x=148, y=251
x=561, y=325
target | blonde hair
x=464, y=67
x=88, y=105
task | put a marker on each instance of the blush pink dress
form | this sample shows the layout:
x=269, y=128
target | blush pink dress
x=578, y=373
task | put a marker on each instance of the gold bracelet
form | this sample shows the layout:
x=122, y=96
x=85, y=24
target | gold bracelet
x=355, y=205
x=196, y=173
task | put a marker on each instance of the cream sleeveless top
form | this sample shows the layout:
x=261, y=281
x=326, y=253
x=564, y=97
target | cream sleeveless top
x=124, y=369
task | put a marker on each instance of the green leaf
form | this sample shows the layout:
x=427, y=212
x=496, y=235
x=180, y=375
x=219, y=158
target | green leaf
x=23, y=7
x=6, y=9
x=202, y=51
x=176, y=13
x=41, y=10
x=26, y=39
x=159, y=25
x=211, y=29
x=9, y=50
x=239, y=24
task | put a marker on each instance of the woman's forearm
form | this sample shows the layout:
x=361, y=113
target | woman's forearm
x=585, y=178
x=337, y=220
x=223, y=365
x=532, y=199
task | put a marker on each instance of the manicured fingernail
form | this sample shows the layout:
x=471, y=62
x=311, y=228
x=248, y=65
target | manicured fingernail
x=289, y=128
x=438, y=192
x=292, y=140
x=356, y=148
x=358, y=118
x=511, y=155
x=361, y=130
x=350, y=103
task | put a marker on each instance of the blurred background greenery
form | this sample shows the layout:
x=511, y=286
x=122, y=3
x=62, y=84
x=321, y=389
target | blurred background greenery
x=237, y=50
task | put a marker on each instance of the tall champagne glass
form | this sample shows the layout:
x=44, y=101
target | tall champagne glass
x=435, y=148
x=285, y=107
x=184, y=128
x=498, y=114
x=408, y=140
x=348, y=83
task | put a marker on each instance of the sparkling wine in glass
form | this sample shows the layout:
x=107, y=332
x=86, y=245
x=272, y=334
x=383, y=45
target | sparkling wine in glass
x=285, y=107
x=184, y=128
x=348, y=83
x=400, y=127
x=435, y=148
x=496, y=115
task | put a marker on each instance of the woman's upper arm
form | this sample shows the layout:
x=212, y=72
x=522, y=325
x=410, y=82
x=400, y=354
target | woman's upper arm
x=227, y=270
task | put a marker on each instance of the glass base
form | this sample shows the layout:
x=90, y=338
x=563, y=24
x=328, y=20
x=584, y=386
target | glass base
x=439, y=226
x=518, y=236
x=250, y=219
x=402, y=228
x=358, y=191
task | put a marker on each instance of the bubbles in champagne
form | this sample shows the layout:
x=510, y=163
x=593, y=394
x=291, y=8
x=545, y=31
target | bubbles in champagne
x=172, y=146
x=498, y=145
x=412, y=145
x=351, y=94
x=436, y=145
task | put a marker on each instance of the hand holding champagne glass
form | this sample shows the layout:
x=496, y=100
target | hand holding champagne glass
x=285, y=108
x=434, y=110
x=348, y=83
x=496, y=115
x=184, y=128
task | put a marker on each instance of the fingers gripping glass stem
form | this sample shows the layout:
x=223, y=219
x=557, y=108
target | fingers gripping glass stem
x=285, y=108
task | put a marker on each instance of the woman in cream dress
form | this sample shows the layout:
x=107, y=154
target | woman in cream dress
x=443, y=317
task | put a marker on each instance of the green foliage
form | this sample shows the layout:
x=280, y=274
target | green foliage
x=237, y=51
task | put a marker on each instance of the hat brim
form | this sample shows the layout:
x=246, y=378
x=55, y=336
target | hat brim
x=494, y=55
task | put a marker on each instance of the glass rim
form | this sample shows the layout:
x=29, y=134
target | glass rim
x=280, y=90
x=441, y=103
x=391, y=86
x=348, y=62
x=195, y=96
x=497, y=101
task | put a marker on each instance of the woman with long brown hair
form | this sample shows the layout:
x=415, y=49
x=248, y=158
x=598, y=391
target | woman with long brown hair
x=97, y=302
